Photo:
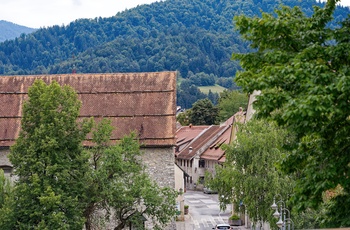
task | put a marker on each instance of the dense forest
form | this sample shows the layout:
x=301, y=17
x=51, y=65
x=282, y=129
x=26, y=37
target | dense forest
x=194, y=37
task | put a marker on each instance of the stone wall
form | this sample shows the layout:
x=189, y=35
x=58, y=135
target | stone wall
x=3, y=156
x=159, y=161
x=4, y=161
x=160, y=165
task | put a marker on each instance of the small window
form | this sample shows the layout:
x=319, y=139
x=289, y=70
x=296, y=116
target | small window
x=201, y=163
x=6, y=169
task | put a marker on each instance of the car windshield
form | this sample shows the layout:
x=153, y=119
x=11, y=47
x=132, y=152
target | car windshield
x=223, y=227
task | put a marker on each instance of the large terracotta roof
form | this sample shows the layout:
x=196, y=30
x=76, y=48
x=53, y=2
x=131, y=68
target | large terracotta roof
x=141, y=102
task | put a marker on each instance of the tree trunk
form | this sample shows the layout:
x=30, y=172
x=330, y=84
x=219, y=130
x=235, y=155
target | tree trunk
x=120, y=226
x=87, y=214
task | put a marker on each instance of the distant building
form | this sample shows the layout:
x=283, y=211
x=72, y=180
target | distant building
x=198, y=148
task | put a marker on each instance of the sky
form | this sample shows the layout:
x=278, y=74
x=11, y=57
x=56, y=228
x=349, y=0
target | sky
x=44, y=13
x=342, y=2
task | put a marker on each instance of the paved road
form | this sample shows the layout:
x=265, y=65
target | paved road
x=204, y=212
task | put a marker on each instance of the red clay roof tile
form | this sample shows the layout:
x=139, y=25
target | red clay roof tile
x=142, y=102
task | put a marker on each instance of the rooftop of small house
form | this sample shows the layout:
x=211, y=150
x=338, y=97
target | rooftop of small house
x=206, y=140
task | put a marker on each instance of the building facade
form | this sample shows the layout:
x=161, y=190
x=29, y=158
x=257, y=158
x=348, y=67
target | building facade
x=198, y=148
x=144, y=103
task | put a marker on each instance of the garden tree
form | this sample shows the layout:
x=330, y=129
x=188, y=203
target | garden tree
x=250, y=174
x=49, y=162
x=203, y=112
x=120, y=186
x=301, y=67
x=230, y=102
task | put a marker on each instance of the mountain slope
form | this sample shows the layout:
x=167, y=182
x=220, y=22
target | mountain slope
x=190, y=36
x=9, y=30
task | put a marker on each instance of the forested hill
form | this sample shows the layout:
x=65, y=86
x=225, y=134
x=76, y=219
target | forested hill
x=9, y=30
x=185, y=35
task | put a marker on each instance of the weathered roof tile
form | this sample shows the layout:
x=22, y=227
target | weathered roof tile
x=141, y=102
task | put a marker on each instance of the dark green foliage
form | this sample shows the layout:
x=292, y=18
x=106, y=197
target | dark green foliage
x=226, y=82
x=230, y=103
x=5, y=188
x=184, y=117
x=338, y=217
x=6, y=202
x=182, y=35
x=49, y=161
x=213, y=97
x=187, y=94
x=301, y=67
x=203, y=112
x=202, y=79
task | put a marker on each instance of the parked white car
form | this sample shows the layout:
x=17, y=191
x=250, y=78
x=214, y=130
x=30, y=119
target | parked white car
x=209, y=191
x=222, y=226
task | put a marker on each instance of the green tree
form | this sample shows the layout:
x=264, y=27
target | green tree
x=5, y=188
x=61, y=185
x=184, y=117
x=120, y=186
x=230, y=102
x=213, y=97
x=187, y=94
x=6, y=202
x=301, y=67
x=203, y=112
x=49, y=161
x=250, y=175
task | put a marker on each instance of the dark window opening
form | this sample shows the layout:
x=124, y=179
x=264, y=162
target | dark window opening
x=201, y=163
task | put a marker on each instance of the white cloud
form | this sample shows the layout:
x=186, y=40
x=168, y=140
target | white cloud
x=41, y=13
x=76, y=2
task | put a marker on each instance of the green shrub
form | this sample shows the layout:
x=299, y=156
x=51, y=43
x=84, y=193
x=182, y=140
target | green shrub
x=234, y=217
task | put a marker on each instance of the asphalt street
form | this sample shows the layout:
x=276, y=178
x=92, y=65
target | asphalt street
x=204, y=212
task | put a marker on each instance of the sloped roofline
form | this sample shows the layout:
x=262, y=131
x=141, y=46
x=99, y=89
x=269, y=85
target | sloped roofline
x=141, y=102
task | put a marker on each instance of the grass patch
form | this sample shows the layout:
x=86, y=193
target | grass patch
x=214, y=89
